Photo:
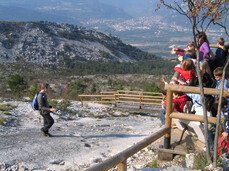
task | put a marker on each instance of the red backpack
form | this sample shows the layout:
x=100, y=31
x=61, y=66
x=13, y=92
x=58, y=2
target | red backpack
x=223, y=146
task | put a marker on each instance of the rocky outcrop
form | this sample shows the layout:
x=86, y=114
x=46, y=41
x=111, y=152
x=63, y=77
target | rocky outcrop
x=58, y=44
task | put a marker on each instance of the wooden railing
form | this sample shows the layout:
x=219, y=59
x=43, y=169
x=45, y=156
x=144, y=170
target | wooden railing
x=121, y=96
x=121, y=158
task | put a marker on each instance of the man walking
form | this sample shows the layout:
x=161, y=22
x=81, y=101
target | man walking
x=45, y=110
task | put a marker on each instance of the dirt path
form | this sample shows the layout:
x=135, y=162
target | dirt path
x=77, y=143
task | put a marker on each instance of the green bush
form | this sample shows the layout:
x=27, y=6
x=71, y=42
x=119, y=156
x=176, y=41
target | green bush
x=6, y=107
x=33, y=90
x=200, y=161
x=153, y=164
x=54, y=103
x=2, y=119
x=63, y=105
x=151, y=87
x=17, y=84
x=74, y=89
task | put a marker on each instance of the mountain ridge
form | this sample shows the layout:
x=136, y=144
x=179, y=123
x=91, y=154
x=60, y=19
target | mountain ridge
x=57, y=44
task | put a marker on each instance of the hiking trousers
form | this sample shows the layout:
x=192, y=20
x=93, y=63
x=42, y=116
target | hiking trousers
x=48, y=122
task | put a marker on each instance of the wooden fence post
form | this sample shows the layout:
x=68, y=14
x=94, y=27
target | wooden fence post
x=122, y=166
x=81, y=101
x=101, y=98
x=115, y=100
x=168, y=120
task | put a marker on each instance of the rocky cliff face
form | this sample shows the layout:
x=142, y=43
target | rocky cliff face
x=57, y=44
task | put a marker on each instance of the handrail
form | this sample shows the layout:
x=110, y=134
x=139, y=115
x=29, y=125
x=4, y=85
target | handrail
x=120, y=96
x=124, y=155
x=121, y=158
x=187, y=89
x=191, y=117
x=196, y=90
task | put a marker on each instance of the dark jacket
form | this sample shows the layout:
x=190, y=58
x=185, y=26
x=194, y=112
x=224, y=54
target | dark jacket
x=43, y=102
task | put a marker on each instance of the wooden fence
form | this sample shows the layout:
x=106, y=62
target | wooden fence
x=121, y=96
x=121, y=158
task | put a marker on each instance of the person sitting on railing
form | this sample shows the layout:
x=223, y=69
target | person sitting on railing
x=163, y=105
x=186, y=71
x=206, y=75
x=179, y=101
x=218, y=74
x=182, y=52
x=223, y=142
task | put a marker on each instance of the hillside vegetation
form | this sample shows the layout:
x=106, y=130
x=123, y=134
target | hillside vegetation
x=63, y=54
x=48, y=43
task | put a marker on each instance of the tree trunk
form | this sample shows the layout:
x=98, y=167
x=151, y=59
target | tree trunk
x=202, y=98
x=218, y=115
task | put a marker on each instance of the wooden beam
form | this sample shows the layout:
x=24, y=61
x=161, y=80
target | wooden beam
x=122, y=156
x=191, y=117
x=172, y=151
x=196, y=90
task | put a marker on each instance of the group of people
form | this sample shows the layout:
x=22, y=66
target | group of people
x=211, y=72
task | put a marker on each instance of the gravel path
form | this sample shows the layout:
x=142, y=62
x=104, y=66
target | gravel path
x=82, y=137
x=79, y=141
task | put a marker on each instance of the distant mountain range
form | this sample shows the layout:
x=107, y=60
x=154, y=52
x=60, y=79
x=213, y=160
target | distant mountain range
x=46, y=43
x=67, y=11
x=135, y=21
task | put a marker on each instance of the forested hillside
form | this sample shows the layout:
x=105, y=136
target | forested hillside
x=67, y=46
x=61, y=54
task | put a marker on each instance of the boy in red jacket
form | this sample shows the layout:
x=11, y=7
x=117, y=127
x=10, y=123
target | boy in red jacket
x=179, y=101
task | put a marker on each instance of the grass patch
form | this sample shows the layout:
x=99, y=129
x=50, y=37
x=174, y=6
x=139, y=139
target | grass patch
x=200, y=161
x=128, y=129
x=2, y=120
x=153, y=164
x=7, y=113
x=6, y=107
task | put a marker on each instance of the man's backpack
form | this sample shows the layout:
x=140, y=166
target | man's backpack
x=34, y=103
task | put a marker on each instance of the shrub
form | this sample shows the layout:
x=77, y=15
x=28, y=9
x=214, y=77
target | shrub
x=74, y=89
x=53, y=103
x=33, y=90
x=151, y=87
x=2, y=119
x=200, y=161
x=17, y=84
x=63, y=105
x=6, y=107
x=153, y=164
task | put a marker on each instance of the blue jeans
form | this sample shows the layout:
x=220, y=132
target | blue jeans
x=211, y=135
x=162, y=116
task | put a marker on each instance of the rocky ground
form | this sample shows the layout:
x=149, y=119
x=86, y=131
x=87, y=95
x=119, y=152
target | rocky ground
x=82, y=137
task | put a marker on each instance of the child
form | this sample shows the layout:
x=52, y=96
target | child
x=187, y=72
x=206, y=74
x=45, y=110
x=204, y=47
x=179, y=101
x=223, y=142
x=163, y=103
x=181, y=52
x=220, y=54
x=218, y=74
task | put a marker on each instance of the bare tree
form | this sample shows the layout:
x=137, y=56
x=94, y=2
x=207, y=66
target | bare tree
x=201, y=14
